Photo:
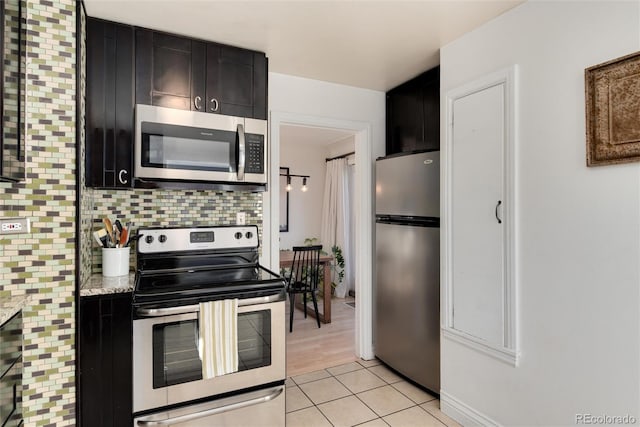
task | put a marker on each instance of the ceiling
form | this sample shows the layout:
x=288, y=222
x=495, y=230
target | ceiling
x=373, y=44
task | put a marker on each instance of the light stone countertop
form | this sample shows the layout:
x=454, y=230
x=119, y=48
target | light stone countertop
x=10, y=306
x=99, y=285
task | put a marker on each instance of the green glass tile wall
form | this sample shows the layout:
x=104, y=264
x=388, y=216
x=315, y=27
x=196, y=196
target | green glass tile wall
x=42, y=264
x=161, y=208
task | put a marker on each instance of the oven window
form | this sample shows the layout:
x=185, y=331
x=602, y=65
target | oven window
x=175, y=348
x=181, y=147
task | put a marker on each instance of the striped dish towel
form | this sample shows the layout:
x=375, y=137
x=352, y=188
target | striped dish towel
x=218, y=345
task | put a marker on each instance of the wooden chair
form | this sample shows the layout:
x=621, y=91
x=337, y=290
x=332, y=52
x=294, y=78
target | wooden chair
x=303, y=278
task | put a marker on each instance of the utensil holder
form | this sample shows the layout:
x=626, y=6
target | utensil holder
x=115, y=261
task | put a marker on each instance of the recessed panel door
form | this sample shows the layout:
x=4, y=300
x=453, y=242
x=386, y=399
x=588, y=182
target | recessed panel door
x=477, y=203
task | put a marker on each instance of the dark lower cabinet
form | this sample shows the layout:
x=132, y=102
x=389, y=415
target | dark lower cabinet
x=110, y=98
x=105, y=361
x=11, y=372
x=413, y=114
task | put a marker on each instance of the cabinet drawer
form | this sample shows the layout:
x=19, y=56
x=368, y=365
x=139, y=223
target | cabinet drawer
x=10, y=342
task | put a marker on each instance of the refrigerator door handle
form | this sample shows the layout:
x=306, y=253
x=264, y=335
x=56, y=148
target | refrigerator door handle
x=498, y=206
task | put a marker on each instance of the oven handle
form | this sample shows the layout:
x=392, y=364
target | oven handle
x=268, y=396
x=183, y=309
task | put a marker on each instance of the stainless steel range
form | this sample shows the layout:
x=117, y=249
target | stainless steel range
x=179, y=268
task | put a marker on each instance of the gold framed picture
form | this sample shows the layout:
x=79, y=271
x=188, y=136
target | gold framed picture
x=612, y=95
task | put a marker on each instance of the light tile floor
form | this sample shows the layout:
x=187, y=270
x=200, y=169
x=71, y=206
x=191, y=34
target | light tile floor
x=362, y=393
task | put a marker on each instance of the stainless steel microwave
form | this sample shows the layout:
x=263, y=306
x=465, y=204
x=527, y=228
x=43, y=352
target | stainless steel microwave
x=194, y=146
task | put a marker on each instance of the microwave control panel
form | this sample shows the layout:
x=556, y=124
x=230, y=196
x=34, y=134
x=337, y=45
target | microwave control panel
x=254, y=153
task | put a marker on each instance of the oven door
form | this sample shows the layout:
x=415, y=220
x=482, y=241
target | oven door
x=166, y=366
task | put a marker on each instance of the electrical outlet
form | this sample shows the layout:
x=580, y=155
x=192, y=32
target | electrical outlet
x=241, y=218
x=15, y=225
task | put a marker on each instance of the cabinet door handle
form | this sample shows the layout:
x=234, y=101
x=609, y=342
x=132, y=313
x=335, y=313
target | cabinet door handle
x=121, y=176
x=498, y=206
x=214, y=104
x=197, y=102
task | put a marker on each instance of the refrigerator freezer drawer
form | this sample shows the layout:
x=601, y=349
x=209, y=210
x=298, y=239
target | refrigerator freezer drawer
x=409, y=185
x=407, y=301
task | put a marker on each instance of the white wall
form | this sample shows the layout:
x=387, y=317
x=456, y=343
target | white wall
x=344, y=146
x=305, y=208
x=579, y=227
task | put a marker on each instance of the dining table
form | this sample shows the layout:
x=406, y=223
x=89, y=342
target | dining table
x=286, y=261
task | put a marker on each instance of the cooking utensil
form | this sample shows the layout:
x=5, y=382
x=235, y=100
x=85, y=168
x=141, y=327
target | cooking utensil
x=109, y=227
x=128, y=227
x=100, y=236
x=124, y=235
x=134, y=238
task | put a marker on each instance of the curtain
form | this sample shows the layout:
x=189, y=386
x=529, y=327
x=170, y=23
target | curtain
x=335, y=215
x=350, y=258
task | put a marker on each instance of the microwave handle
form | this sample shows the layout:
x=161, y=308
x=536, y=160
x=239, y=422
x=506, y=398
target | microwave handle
x=241, y=152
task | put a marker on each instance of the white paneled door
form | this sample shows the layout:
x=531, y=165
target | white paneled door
x=478, y=227
x=477, y=194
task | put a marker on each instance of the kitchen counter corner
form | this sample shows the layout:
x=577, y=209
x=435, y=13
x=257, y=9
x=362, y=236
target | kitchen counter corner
x=99, y=285
x=12, y=305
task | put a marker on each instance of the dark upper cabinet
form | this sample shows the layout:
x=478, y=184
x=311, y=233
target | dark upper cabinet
x=110, y=103
x=178, y=72
x=105, y=361
x=170, y=71
x=413, y=114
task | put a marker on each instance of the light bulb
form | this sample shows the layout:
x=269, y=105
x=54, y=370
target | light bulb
x=288, y=187
x=304, y=185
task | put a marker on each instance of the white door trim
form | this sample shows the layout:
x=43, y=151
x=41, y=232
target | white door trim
x=509, y=350
x=364, y=212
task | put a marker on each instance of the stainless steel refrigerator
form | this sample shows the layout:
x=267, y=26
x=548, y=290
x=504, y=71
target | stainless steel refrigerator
x=407, y=290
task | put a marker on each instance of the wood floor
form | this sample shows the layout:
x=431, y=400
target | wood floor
x=310, y=349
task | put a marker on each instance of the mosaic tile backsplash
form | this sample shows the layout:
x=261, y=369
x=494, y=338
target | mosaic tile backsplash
x=162, y=208
x=42, y=264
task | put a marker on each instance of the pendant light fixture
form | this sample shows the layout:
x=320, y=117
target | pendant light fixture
x=304, y=187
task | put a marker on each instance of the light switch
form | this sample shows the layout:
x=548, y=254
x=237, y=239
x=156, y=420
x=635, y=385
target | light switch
x=241, y=218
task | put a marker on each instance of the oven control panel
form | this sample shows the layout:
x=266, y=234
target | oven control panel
x=156, y=240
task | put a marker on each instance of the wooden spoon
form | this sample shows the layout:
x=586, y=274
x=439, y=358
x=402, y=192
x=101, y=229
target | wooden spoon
x=123, y=237
x=109, y=227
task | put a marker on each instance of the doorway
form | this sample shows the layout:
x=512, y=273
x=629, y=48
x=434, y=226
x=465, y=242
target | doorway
x=315, y=208
x=363, y=187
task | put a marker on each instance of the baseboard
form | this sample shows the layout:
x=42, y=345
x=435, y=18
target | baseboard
x=462, y=413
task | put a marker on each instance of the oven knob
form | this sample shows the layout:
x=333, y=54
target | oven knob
x=148, y=239
x=238, y=235
x=248, y=235
x=162, y=238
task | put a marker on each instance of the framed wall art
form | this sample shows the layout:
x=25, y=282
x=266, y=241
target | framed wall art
x=612, y=95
